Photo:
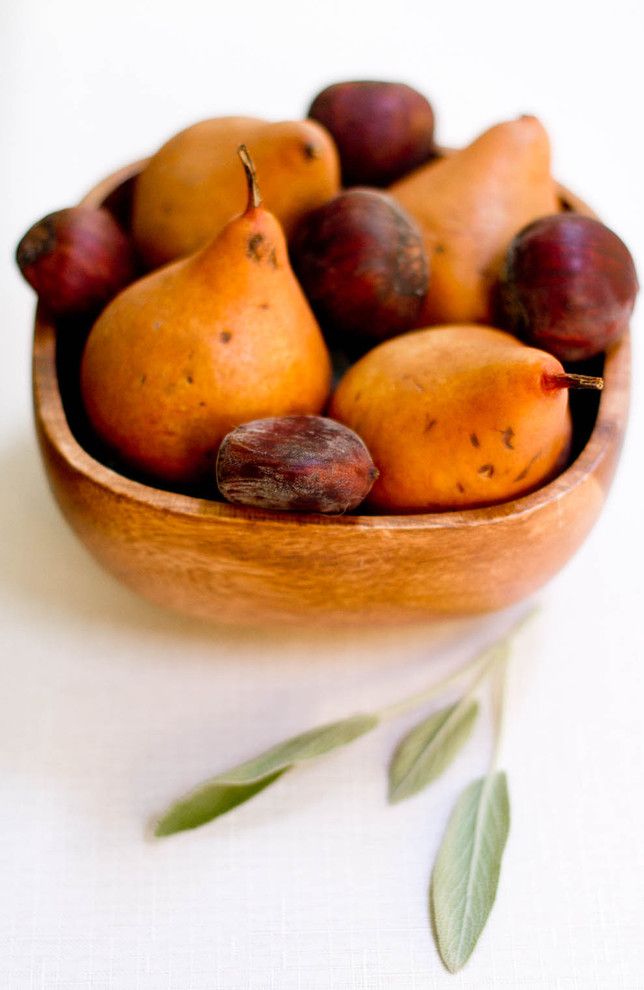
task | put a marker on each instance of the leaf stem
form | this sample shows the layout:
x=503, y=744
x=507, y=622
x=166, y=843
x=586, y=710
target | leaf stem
x=499, y=702
x=413, y=701
x=481, y=665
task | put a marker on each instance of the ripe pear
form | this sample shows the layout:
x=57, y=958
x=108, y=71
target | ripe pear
x=458, y=417
x=469, y=206
x=192, y=186
x=187, y=353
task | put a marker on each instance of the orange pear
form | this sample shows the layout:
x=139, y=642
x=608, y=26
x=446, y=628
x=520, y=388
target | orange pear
x=208, y=342
x=469, y=206
x=192, y=186
x=457, y=417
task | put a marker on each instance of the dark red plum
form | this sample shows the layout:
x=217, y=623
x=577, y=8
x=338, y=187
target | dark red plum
x=362, y=264
x=568, y=285
x=382, y=129
x=76, y=259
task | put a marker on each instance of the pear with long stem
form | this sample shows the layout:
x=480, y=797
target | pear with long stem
x=458, y=417
x=206, y=343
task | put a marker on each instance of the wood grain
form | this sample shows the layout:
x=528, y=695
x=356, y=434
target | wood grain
x=242, y=566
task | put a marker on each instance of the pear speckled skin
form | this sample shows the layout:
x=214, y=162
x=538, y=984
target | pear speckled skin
x=192, y=350
x=193, y=185
x=456, y=417
x=469, y=206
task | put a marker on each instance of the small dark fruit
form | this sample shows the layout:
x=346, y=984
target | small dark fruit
x=362, y=264
x=76, y=259
x=568, y=285
x=299, y=463
x=382, y=129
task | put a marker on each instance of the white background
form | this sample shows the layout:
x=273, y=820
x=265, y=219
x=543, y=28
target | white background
x=110, y=708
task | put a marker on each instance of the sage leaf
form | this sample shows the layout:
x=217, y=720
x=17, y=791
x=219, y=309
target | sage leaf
x=466, y=873
x=229, y=789
x=429, y=748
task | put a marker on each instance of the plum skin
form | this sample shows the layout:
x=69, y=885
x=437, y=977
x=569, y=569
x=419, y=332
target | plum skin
x=568, y=285
x=382, y=130
x=362, y=264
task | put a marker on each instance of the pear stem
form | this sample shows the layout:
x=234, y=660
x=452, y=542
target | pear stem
x=565, y=380
x=254, y=195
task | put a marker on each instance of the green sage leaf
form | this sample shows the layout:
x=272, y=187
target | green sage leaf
x=466, y=873
x=229, y=789
x=429, y=748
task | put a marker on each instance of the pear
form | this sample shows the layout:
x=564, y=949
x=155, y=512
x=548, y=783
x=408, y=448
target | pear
x=458, y=417
x=469, y=206
x=192, y=350
x=192, y=186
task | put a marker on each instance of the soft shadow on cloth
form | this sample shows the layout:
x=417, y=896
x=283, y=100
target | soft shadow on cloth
x=49, y=571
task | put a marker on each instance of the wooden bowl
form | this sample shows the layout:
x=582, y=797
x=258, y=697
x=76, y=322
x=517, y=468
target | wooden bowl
x=233, y=565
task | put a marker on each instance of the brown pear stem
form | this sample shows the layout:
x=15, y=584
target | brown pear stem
x=565, y=380
x=254, y=195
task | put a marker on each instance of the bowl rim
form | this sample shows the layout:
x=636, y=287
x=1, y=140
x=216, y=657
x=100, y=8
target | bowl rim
x=52, y=421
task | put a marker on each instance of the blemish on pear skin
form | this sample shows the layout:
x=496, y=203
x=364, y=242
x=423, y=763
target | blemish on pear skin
x=264, y=305
x=143, y=379
x=253, y=247
x=415, y=382
x=524, y=474
x=429, y=424
x=225, y=336
x=460, y=487
x=189, y=379
x=486, y=470
x=310, y=152
x=507, y=436
x=474, y=440
x=272, y=258
x=440, y=249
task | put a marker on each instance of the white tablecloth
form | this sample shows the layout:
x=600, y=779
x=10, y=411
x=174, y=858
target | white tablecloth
x=109, y=707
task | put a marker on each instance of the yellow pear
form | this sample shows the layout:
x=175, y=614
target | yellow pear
x=192, y=186
x=208, y=342
x=457, y=417
x=469, y=206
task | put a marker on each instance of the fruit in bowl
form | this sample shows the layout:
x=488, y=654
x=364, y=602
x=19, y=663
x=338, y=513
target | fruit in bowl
x=167, y=532
x=458, y=417
x=202, y=344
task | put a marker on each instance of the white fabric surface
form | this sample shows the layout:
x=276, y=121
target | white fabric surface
x=109, y=708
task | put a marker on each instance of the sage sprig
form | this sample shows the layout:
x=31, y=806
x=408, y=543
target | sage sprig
x=234, y=787
x=466, y=874
x=465, y=878
x=429, y=749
